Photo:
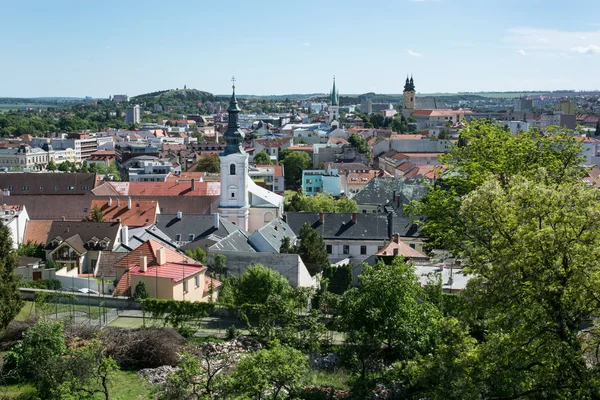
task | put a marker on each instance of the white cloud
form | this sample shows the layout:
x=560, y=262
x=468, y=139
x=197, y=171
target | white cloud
x=554, y=41
x=591, y=49
x=414, y=53
x=306, y=44
x=521, y=52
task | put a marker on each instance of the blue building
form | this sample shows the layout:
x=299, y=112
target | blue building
x=321, y=181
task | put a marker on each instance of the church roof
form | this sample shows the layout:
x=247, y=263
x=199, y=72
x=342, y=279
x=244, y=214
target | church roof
x=263, y=198
x=233, y=135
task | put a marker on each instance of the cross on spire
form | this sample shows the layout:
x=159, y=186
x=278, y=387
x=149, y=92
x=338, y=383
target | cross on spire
x=233, y=82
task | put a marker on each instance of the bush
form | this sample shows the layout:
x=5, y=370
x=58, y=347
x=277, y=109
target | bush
x=49, y=284
x=143, y=348
x=15, y=331
x=232, y=332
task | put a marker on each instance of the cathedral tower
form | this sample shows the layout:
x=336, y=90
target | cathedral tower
x=234, y=204
x=409, y=97
x=334, y=108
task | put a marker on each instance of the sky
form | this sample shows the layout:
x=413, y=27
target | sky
x=100, y=48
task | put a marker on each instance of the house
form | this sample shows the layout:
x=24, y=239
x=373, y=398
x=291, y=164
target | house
x=321, y=181
x=272, y=146
x=427, y=119
x=104, y=157
x=380, y=192
x=192, y=231
x=167, y=274
x=268, y=238
x=77, y=247
x=54, y=184
x=271, y=177
x=33, y=269
x=132, y=213
x=15, y=218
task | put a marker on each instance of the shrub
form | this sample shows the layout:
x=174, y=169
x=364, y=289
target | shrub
x=49, y=284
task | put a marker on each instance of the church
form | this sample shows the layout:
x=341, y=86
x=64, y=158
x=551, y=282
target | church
x=242, y=201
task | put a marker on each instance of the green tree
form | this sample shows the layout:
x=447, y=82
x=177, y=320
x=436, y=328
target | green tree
x=339, y=278
x=210, y=164
x=31, y=249
x=141, y=291
x=64, y=166
x=286, y=246
x=219, y=266
x=312, y=249
x=97, y=214
x=51, y=166
x=112, y=171
x=266, y=373
x=597, y=131
x=262, y=158
x=487, y=149
x=360, y=143
x=84, y=168
x=321, y=203
x=197, y=254
x=258, y=283
x=295, y=162
x=11, y=300
x=345, y=205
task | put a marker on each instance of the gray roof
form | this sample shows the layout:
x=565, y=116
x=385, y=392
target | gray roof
x=274, y=232
x=236, y=241
x=340, y=225
x=201, y=226
x=78, y=234
x=380, y=191
x=24, y=261
x=137, y=236
x=48, y=183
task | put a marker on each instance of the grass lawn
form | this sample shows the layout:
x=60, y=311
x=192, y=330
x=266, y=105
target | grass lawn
x=25, y=312
x=215, y=327
x=29, y=310
x=126, y=385
x=338, y=379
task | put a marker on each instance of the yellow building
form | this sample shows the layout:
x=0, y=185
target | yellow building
x=566, y=107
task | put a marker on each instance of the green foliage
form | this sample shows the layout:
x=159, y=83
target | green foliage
x=258, y=283
x=321, y=203
x=141, y=291
x=50, y=284
x=286, y=246
x=295, y=162
x=31, y=249
x=262, y=158
x=11, y=300
x=210, y=163
x=312, y=249
x=179, y=314
x=399, y=125
x=51, y=166
x=266, y=374
x=197, y=254
x=339, y=278
x=219, y=265
x=97, y=214
x=360, y=143
x=489, y=150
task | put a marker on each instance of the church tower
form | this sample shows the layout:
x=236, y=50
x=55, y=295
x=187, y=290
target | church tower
x=234, y=204
x=409, y=97
x=334, y=108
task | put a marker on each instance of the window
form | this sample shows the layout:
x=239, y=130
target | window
x=329, y=249
x=191, y=237
x=86, y=187
x=232, y=195
x=41, y=188
x=197, y=281
x=413, y=245
x=85, y=209
x=185, y=286
x=346, y=249
x=309, y=189
x=232, y=169
x=11, y=188
x=363, y=250
x=70, y=187
x=178, y=237
x=25, y=187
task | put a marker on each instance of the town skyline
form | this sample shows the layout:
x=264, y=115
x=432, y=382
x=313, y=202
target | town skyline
x=272, y=48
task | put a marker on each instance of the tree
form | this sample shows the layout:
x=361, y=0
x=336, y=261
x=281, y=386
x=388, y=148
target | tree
x=11, y=300
x=597, y=132
x=51, y=166
x=262, y=158
x=312, y=250
x=286, y=246
x=141, y=291
x=64, y=166
x=399, y=125
x=295, y=162
x=112, y=171
x=339, y=278
x=84, y=168
x=197, y=254
x=31, y=249
x=210, y=163
x=258, y=283
x=321, y=203
x=265, y=373
x=360, y=144
x=97, y=214
x=486, y=150
x=219, y=266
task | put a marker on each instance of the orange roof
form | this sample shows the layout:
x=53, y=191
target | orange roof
x=301, y=147
x=403, y=250
x=405, y=166
x=148, y=249
x=37, y=231
x=186, y=177
x=103, y=153
x=142, y=212
x=439, y=113
x=168, y=188
x=407, y=137
x=338, y=140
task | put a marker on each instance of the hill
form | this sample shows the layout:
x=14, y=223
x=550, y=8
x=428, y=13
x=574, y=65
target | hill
x=175, y=97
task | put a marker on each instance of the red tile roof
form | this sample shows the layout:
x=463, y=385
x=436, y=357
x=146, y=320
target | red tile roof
x=168, y=188
x=277, y=169
x=404, y=250
x=407, y=137
x=149, y=249
x=273, y=142
x=142, y=212
x=174, y=271
x=186, y=177
x=37, y=231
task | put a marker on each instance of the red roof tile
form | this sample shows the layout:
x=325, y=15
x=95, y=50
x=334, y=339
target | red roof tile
x=37, y=231
x=142, y=212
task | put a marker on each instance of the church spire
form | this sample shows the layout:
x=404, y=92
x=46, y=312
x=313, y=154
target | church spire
x=334, y=94
x=233, y=135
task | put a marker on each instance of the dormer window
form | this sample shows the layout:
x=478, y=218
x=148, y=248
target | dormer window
x=232, y=169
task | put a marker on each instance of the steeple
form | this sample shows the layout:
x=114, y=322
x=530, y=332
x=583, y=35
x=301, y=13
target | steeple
x=412, y=84
x=233, y=135
x=334, y=94
x=407, y=85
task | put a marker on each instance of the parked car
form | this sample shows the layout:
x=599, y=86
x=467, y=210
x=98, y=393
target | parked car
x=87, y=291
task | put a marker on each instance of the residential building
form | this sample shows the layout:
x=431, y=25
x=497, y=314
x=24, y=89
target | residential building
x=132, y=115
x=382, y=192
x=77, y=247
x=23, y=157
x=120, y=98
x=148, y=169
x=167, y=274
x=15, y=218
x=271, y=177
x=321, y=181
x=268, y=239
x=418, y=144
x=193, y=231
x=47, y=183
x=566, y=107
x=272, y=146
x=33, y=269
x=366, y=107
x=428, y=119
x=515, y=126
x=130, y=213
x=522, y=105
x=555, y=119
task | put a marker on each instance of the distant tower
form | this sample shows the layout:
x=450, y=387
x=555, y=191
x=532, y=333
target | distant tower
x=334, y=108
x=409, y=95
x=234, y=204
x=132, y=115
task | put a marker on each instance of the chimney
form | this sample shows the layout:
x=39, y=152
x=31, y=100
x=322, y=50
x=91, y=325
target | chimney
x=161, y=256
x=63, y=218
x=6, y=192
x=193, y=184
x=322, y=217
x=276, y=227
x=110, y=201
x=125, y=235
x=118, y=203
x=129, y=203
x=179, y=214
x=143, y=263
x=396, y=251
x=217, y=221
x=396, y=238
x=354, y=218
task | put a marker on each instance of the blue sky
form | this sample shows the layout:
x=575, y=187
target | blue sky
x=104, y=47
